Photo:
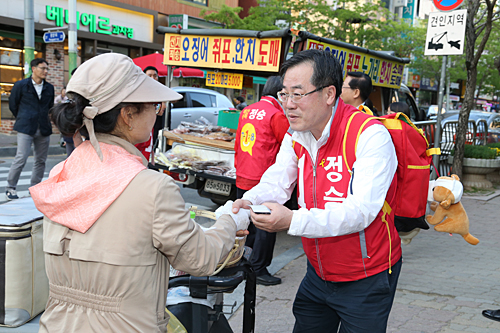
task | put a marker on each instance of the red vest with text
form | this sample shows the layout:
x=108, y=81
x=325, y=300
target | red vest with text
x=256, y=146
x=358, y=255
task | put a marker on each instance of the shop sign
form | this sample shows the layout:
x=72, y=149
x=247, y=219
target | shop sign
x=408, y=12
x=384, y=73
x=224, y=80
x=96, y=24
x=428, y=84
x=178, y=21
x=413, y=80
x=239, y=53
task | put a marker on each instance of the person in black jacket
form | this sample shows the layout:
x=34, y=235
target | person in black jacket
x=30, y=102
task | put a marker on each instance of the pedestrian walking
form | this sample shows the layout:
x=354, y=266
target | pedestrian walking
x=30, y=102
x=261, y=129
x=345, y=220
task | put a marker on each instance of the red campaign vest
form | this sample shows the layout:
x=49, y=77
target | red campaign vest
x=358, y=255
x=256, y=146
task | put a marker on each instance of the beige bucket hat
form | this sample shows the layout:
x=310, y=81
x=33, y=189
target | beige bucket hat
x=110, y=79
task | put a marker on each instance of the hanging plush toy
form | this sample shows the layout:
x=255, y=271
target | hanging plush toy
x=447, y=191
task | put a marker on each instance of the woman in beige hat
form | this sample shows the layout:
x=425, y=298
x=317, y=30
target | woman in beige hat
x=112, y=227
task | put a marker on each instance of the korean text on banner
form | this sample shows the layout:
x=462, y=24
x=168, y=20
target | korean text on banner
x=384, y=73
x=240, y=53
x=224, y=80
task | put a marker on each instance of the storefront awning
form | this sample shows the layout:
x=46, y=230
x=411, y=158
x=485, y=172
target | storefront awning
x=189, y=72
x=259, y=80
x=156, y=60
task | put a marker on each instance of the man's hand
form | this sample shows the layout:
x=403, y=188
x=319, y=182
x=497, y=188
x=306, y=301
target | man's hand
x=240, y=203
x=279, y=219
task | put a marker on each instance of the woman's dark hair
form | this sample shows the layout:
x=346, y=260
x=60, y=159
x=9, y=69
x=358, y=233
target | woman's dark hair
x=400, y=107
x=241, y=99
x=372, y=107
x=272, y=87
x=68, y=116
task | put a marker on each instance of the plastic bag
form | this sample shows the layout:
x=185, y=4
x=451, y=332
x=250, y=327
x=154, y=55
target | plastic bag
x=174, y=325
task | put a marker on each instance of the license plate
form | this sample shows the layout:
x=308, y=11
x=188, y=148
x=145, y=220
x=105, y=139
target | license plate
x=217, y=187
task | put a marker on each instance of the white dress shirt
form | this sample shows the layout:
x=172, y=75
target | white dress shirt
x=375, y=167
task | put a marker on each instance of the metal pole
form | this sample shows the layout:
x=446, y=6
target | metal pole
x=72, y=38
x=437, y=138
x=448, y=85
x=29, y=35
x=163, y=141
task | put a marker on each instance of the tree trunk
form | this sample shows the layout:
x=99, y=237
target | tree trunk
x=471, y=60
x=463, y=121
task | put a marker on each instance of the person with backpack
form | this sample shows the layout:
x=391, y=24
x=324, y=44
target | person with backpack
x=345, y=219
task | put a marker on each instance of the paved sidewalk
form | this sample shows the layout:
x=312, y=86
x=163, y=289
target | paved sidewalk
x=444, y=285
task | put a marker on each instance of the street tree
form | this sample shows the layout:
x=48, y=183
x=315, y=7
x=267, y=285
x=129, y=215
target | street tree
x=480, y=17
x=269, y=15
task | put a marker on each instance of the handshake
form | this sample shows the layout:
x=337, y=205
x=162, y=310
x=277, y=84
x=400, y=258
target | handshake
x=272, y=217
x=241, y=219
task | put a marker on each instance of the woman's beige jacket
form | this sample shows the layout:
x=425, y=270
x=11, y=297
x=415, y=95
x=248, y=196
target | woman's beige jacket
x=114, y=277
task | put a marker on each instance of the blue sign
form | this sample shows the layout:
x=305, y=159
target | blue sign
x=447, y=5
x=54, y=37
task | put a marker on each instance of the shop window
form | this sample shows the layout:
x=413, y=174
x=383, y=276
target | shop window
x=199, y=2
x=119, y=49
x=12, y=60
x=200, y=100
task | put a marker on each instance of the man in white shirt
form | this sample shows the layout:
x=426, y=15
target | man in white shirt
x=346, y=193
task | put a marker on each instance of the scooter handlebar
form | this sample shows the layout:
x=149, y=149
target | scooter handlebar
x=231, y=281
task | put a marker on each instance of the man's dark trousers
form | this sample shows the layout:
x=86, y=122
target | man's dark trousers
x=358, y=306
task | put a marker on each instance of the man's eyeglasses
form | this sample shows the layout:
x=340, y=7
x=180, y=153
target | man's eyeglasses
x=43, y=68
x=296, y=97
x=157, y=107
x=347, y=87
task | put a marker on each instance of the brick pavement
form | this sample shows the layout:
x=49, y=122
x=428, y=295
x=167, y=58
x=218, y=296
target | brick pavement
x=444, y=285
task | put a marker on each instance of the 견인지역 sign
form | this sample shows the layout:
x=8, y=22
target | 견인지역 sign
x=446, y=33
x=446, y=5
x=54, y=37
x=224, y=80
x=241, y=53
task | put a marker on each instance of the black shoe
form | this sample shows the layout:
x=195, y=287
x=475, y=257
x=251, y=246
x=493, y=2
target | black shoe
x=492, y=314
x=11, y=194
x=268, y=280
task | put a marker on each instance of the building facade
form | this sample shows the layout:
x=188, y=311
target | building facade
x=122, y=26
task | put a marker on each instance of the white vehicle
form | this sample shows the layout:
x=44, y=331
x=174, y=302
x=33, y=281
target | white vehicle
x=197, y=103
x=432, y=112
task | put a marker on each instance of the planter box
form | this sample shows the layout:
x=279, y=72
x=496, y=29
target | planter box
x=475, y=171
